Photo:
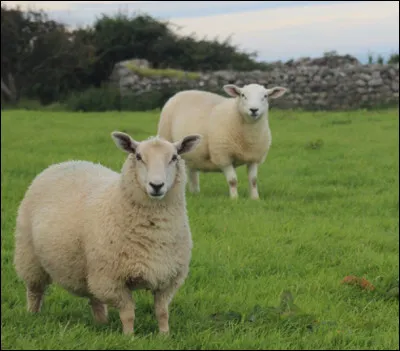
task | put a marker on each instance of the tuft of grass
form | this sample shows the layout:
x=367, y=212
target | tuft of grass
x=322, y=216
x=314, y=145
x=168, y=72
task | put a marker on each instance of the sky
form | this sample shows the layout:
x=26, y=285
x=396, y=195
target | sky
x=277, y=30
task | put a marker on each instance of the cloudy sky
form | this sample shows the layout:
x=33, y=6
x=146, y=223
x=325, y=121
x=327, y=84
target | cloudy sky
x=277, y=30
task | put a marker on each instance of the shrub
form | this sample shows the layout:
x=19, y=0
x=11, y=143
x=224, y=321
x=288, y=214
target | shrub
x=145, y=101
x=109, y=99
x=94, y=99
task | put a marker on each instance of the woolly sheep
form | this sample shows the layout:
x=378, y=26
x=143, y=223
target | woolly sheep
x=235, y=131
x=100, y=234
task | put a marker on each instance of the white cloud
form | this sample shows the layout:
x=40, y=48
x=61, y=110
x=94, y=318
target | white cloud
x=150, y=6
x=305, y=30
x=45, y=5
x=276, y=33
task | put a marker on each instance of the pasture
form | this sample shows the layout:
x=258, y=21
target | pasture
x=329, y=208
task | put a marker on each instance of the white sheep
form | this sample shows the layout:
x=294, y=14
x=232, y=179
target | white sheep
x=235, y=131
x=100, y=234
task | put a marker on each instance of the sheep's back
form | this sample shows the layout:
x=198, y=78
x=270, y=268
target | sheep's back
x=54, y=210
x=188, y=112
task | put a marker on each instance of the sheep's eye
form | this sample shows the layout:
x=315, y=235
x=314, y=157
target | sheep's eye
x=138, y=157
x=174, y=158
x=242, y=95
x=265, y=96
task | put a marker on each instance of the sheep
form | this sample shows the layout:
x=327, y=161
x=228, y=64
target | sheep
x=235, y=131
x=100, y=234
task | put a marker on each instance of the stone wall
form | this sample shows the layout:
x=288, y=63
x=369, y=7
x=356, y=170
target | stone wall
x=328, y=83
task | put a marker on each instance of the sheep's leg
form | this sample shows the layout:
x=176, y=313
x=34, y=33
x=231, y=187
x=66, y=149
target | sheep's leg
x=252, y=170
x=30, y=270
x=194, y=184
x=161, y=303
x=162, y=299
x=231, y=178
x=35, y=289
x=34, y=296
x=117, y=295
x=99, y=311
x=127, y=316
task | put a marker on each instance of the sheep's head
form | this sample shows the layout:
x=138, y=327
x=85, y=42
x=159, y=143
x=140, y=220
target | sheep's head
x=155, y=161
x=253, y=99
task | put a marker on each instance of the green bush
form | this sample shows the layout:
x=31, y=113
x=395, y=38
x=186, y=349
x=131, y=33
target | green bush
x=31, y=105
x=109, y=99
x=145, y=101
x=94, y=100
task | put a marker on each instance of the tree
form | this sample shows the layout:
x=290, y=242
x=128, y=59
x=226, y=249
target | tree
x=394, y=58
x=40, y=56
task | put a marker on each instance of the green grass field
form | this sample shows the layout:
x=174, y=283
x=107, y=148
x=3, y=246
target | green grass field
x=329, y=208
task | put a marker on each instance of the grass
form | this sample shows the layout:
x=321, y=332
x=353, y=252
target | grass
x=167, y=72
x=329, y=208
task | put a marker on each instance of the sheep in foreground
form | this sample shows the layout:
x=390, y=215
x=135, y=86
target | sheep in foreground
x=100, y=234
x=235, y=131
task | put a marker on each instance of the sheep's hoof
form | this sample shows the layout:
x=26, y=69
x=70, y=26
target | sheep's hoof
x=128, y=332
x=194, y=190
x=254, y=195
x=163, y=333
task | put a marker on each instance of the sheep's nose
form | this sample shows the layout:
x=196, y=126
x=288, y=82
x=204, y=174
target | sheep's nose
x=254, y=110
x=156, y=187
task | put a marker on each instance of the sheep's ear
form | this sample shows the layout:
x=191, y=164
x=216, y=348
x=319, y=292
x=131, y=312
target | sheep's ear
x=276, y=92
x=124, y=142
x=232, y=90
x=188, y=143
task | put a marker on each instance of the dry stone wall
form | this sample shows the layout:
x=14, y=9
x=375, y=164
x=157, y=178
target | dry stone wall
x=328, y=83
